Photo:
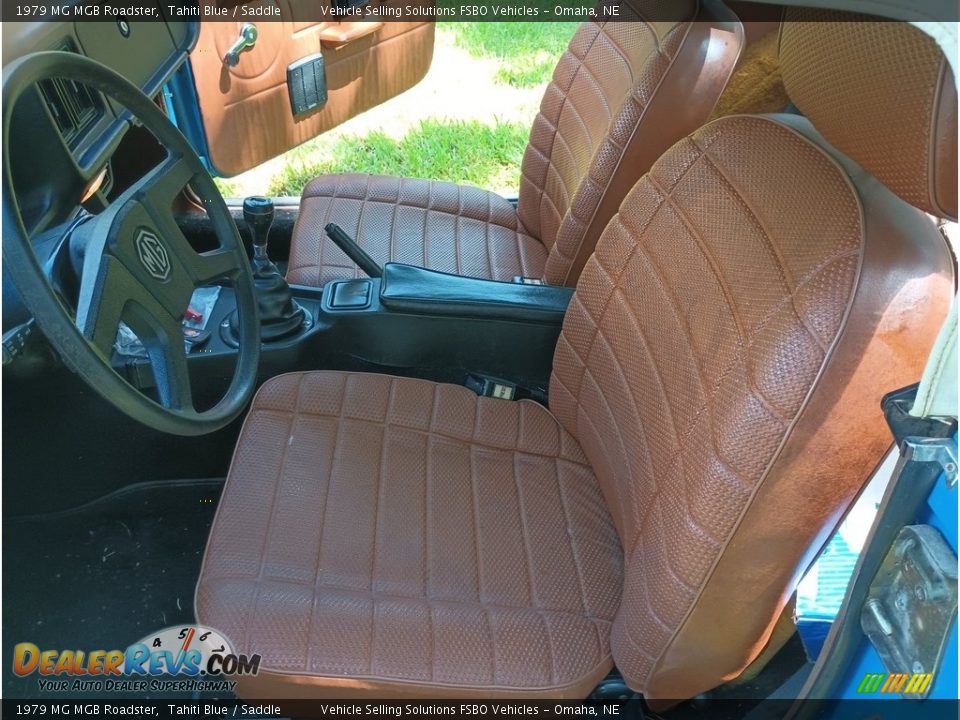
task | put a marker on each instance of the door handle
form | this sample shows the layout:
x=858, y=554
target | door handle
x=246, y=41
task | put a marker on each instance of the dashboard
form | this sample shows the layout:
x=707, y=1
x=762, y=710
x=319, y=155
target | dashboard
x=61, y=122
x=68, y=116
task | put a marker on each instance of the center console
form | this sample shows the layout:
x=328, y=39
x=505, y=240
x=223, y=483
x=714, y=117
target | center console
x=408, y=321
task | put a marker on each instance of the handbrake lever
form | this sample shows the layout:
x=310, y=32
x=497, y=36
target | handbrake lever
x=353, y=250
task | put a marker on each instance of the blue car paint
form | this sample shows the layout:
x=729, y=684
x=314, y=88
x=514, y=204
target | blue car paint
x=183, y=107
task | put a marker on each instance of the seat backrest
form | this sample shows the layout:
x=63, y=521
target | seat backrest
x=725, y=353
x=623, y=92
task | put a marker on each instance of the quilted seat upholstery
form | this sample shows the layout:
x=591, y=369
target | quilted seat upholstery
x=714, y=411
x=451, y=228
x=621, y=94
x=697, y=334
x=488, y=559
x=414, y=539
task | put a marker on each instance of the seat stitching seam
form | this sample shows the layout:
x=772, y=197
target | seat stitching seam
x=780, y=263
x=386, y=595
x=476, y=539
x=782, y=269
x=486, y=239
x=556, y=210
x=415, y=206
x=678, y=454
x=273, y=505
x=633, y=400
x=561, y=181
x=547, y=628
x=323, y=523
x=573, y=545
x=474, y=511
x=668, y=198
x=744, y=338
x=672, y=304
x=556, y=130
x=321, y=252
x=456, y=230
x=737, y=361
x=437, y=433
x=619, y=434
x=426, y=223
x=373, y=633
x=674, y=573
x=616, y=46
x=568, y=684
x=656, y=368
x=572, y=101
x=596, y=82
x=428, y=467
x=379, y=486
x=529, y=564
x=595, y=322
x=523, y=532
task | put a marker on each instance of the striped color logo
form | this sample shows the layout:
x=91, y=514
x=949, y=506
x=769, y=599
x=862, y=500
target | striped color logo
x=895, y=683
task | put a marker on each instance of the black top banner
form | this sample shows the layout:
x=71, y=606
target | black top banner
x=392, y=10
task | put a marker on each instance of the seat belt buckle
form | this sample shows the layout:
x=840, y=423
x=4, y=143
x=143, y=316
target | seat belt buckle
x=491, y=387
x=521, y=280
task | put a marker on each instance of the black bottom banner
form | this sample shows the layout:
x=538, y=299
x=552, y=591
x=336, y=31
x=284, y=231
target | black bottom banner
x=626, y=709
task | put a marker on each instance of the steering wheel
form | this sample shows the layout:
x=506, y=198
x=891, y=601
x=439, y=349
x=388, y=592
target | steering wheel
x=137, y=265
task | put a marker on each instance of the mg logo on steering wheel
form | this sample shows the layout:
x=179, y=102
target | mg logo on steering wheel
x=153, y=255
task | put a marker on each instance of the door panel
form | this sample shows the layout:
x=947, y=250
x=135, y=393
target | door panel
x=246, y=109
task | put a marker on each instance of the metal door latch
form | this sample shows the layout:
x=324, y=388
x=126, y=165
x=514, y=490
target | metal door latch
x=942, y=451
x=911, y=605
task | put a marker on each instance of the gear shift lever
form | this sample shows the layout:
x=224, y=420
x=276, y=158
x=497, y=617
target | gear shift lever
x=258, y=214
x=280, y=315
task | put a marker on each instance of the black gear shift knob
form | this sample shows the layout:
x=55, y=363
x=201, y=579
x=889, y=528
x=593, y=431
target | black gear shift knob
x=280, y=315
x=258, y=214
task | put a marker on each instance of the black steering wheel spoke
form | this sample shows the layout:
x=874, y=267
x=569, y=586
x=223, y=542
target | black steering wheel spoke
x=104, y=294
x=96, y=156
x=109, y=293
x=172, y=372
x=156, y=193
x=162, y=337
x=161, y=185
x=215, y=265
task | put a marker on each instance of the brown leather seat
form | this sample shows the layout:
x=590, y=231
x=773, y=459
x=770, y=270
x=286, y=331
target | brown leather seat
x=621, y=95
x=714, y=409
x=418, y=535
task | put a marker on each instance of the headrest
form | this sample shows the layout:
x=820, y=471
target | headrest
x=882, y=93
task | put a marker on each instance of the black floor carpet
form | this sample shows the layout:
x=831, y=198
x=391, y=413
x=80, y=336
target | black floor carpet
x=104, y=575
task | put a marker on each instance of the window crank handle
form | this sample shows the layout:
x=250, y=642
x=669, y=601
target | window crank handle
x=247, y=39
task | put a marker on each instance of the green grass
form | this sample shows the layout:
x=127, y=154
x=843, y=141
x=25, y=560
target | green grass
x=456, y=151
x=228, y=188
x=527, y=52
x=518, y=54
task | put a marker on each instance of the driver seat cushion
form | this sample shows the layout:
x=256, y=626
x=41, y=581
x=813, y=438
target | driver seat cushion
x=397, y=536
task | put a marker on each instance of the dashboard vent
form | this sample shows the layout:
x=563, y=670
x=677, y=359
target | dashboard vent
x=73, y=106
